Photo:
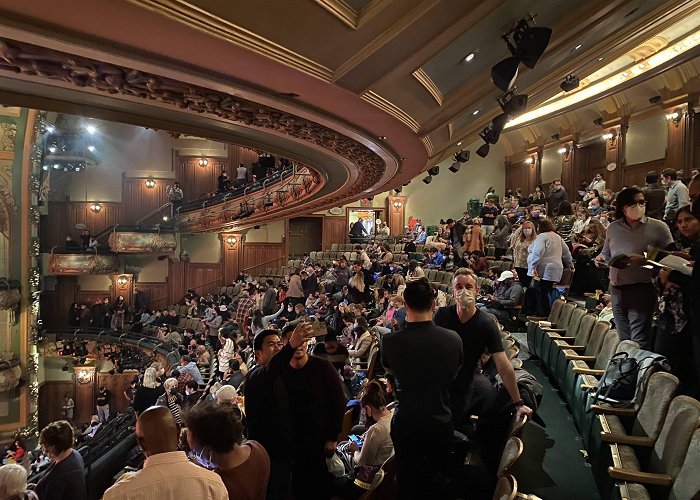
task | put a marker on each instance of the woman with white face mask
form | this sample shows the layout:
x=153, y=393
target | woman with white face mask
x=520, y=246
x=632, y=291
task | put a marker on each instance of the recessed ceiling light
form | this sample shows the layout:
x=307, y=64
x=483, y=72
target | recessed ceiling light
x=475, y=112
x=578, y=46
x=91, y=148
x=600, y=58
x=459, y=143
x=470, y=57
x=382, y=137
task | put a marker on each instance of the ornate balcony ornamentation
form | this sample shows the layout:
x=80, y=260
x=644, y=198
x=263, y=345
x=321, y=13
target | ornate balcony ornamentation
x=73, y=264
x=132, y=242
x=10, y=371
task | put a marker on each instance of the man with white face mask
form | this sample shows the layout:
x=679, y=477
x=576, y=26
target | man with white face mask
x=478, y=331
x=632, y=290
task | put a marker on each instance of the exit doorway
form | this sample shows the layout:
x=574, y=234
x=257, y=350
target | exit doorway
x=305, y=235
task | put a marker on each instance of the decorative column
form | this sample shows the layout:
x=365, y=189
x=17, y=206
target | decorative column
x=232, y=255
x=84, y=377
x=568, y=179
x=677, y=120
x=396, y=214
x=614, y=154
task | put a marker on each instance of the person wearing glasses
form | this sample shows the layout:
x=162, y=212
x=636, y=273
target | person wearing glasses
x=632, y=290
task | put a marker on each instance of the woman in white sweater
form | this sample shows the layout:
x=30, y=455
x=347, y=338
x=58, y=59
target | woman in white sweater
x=377, y=446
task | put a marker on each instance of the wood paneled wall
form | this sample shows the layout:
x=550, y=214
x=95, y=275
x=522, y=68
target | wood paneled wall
x=139, y=200
x=238, y=155
x=84, y=397
x=588, y=161
x=109, y=215
x=203, y=277
x=334, y=231
x=156, y=294
x=195, y=180
x=521, y=175
x=635, y=174
x=232, y=257
x=395, y=217
x=51, y=395
x=259, y=256
x=116, y=384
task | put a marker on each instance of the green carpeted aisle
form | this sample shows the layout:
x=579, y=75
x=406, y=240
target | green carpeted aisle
x=552, y=467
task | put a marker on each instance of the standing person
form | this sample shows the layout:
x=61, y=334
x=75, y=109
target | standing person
x=557, y=194
x=148, y=392
x=269, y=301
x=633, y=294
x=358, y=231
x=103, y=397
x=474, y=237
x=85, y=316
x=677, y=195
x=456, y=236
x=564, y=222
x=520, y=243
x=501, y=234
x=478, y=332
x=85, y=238
x=267, y=403
x=64, y=478
x=222, y=181
x=119, y=311
x=598, y=183
x=548, y=256
x=175, y=195
x=488, y=214
x=241, y=175
x=172, y=400
x=167, y=473
x=68, y=407
x=425, y=359
x=317, y=404
x=654, y=195
x=74, y=315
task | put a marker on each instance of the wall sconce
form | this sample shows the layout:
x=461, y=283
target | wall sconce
x=563, y=151
x=84, y=376
x=529, y=160
x=608, y=137
x=397, y=205
x=675, y=116
x=122, y=281
x=150, y=183
x=96, y=207
x=231, y=240
x=203, y=162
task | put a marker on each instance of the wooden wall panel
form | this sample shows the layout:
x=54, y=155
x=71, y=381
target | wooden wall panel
x=108, y=216
x=197, y=181
x=89, y=297
x=51, y=394
x=203, y=277
x=634, y=174
x=259, y=256
x=84, y=397
x=56, y=225
x=177, y=280
x=395, y=216
x=116, y=384
x=334, y=231
x=156, y=294
x=138, y=200
x=238, y=155
x=232, y=257
x=678, y=141
x=588, y=161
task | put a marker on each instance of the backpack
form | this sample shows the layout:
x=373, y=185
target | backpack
x=622, y=380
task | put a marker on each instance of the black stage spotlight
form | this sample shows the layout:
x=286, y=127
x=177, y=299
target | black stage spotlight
x=513, y=104
x=454, y=167
x=398, y=190
x=598, y=121
x=428, y=179
x=530, y=42
x=655, y=100
x=493, y=132
x=504, y=73
x=434, y=170
x=483, y=150
x=462, y=156
x=570, y=83
x=555, y=137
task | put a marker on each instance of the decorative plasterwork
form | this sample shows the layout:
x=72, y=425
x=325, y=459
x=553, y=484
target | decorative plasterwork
x=74, y=264
x=128, y=242
x=391, y=108
x=349, y=16
x=428, y=144
x=429, y=85
x=46, y=64
x=8, y=134
x=194, y=17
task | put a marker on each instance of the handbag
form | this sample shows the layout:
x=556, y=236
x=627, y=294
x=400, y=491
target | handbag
x=618, y=384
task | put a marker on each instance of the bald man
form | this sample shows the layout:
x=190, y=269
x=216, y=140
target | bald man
x=167, y=474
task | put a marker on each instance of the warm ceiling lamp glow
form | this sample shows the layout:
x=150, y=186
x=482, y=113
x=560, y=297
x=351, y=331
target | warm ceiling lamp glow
x=529, y=160
x=150, y=183
x=562, y=100
x=562, y=151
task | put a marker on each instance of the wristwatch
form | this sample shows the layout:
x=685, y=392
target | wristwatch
x=519, y=403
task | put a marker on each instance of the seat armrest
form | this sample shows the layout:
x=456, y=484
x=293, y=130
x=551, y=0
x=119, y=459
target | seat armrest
x=580, y=358
x=640, y=477
x=609, y=410
x=553, y=330
x=610, y=437
x=588, y=371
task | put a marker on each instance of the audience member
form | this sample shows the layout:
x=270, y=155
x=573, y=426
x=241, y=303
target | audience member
x=549, y=255
x=64, y=478
x=13, y=483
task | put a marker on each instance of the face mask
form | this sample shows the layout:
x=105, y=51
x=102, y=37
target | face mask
x=466, y=299
x=535, y=213
x=173, y=391
x=635, y=212
x=527, y=231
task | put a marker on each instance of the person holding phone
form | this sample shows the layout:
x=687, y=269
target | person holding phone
x=374, y=447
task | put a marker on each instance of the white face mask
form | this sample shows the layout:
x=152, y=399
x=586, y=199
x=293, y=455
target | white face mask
x=466, y=299
x=527, y=231
x=635, y=212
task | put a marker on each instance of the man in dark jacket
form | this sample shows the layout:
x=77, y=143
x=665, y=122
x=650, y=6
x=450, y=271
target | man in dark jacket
x=358, y=231
x=456, y=236
x=557, y=195
x=269, y=301
x=267, y=403
x=654, y=195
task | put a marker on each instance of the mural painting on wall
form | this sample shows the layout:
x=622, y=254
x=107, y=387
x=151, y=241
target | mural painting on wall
x=79, y=264
x=142, y=242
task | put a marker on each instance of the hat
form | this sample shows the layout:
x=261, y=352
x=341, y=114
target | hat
x=505, y=275
x=227, y=394
x=223, y=307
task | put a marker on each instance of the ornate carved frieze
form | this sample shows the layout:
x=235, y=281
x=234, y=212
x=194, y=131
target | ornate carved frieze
x=128, y=242
x=73, y=264
x=8, y=134
x=81, y=72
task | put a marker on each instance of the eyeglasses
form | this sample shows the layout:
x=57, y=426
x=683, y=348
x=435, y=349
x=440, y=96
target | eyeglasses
x=641, y=203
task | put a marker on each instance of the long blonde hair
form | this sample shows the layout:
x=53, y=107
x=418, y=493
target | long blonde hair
x=519, y=236
x=358, y=281
x=149, y=378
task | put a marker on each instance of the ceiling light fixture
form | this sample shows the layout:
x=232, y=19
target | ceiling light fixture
x=571, y=82
x=203, y=162
x=52, y=149
x=483, y=150
x=91, y=148
x=434, y=170
x=428, y=179
x=91, y=129
x=578, y=46
x=475, y=112
x=50, y=129
x=512, y=103
x=470, y=57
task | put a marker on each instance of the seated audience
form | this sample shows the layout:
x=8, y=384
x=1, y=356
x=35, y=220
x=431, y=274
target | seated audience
x=508, y=294
x=64, y=478
x=13, y=483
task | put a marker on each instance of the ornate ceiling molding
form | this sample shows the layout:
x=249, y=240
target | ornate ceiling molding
x=429, y=85
x=194, y=17
x=44, y=64
x=392, y=109
x=351, y=17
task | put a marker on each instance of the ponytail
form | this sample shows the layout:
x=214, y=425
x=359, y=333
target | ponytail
x=373, y=395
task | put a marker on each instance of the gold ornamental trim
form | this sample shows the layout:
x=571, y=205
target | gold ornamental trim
x=197, y=18
x=428, y=144
x=348, y=15
x=389, y=107
x=429, y=85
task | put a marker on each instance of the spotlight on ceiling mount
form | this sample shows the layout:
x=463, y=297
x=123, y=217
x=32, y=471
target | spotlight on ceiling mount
x=454, y=168
x=428, y=179
x=529, y=42
x=398, y=190
x=570, y=83
x=483, y=150
x=512, y=103
x=655, y=100
x=504, y=73
x=462, y=156
x=434, y=170
x=598, y=121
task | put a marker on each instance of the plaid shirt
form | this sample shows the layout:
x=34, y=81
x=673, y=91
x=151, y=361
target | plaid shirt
x=244, y=306
x=182, y=380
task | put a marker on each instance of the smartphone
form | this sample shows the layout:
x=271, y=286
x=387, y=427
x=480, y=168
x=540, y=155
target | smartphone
x=355, y=439
x=319, y=327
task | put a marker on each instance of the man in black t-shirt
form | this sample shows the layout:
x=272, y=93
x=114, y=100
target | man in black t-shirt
x=424, y=358
x=103, y=396
x=478, y=331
